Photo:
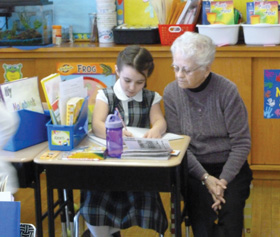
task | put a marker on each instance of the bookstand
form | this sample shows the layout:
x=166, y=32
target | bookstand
x=65, y=138
x=31, y=131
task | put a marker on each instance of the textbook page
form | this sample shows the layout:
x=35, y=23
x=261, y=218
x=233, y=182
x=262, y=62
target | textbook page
x=139, y=132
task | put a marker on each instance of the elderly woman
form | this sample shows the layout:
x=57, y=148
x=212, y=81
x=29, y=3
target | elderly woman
x=207, y=107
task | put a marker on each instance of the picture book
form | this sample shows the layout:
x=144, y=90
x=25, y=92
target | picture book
x=271, y=94
x=22, y=94
x=221, y=12
x=96, y=75
x=262, y=12
x=73, y=109
x=217, y=12
x=50, y=85
x=205, y=10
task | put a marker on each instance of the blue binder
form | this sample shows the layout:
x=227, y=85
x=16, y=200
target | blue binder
x=10, y=219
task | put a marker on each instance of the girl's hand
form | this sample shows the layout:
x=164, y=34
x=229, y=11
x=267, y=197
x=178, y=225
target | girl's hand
x=126, y=133
x=152, y=133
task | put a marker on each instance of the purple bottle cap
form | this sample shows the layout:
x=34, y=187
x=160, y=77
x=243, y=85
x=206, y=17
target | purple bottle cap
x=113, y=121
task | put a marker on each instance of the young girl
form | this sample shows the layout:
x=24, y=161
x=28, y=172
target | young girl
x=108, y=212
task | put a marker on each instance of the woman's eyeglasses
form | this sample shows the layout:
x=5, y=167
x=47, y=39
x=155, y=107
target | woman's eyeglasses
x=184, y=70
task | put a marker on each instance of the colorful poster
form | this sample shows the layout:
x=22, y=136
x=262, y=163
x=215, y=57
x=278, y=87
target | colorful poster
x=271, y=94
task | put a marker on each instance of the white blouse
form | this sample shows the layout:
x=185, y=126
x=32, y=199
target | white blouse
x=124, y=99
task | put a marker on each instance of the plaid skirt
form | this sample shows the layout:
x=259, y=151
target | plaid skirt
x=124, y=209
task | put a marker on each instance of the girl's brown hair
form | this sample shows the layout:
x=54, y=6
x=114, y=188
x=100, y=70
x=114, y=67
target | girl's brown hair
x=137, y=57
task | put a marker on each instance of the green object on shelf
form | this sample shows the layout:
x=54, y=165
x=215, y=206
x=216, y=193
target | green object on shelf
x=237, y=16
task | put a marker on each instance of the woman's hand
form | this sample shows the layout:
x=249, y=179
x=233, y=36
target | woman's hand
x=217, y=204
x=216, y=188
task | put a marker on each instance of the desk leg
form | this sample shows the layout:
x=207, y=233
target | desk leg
x=38, y=203
x=70, y=208
x=50, y=210
x=62, y=207
x=177, y=203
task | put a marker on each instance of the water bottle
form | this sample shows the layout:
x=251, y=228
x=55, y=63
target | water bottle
x=114, y=136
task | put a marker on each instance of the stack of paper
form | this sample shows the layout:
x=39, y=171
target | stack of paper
x=146, y=149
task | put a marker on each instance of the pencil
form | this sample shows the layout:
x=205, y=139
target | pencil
x=121, y=118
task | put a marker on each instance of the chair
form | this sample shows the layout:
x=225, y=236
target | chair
x=27, y=230
x=76, y=225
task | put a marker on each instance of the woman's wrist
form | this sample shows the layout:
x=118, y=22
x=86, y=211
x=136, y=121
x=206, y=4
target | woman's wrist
x=204, y=178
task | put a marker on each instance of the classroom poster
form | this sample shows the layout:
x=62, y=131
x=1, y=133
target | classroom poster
x=272, y=94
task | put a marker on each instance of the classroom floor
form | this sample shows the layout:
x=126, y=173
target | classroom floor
x=264, y=206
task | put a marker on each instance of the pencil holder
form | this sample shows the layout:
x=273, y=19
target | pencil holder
x=65, y=138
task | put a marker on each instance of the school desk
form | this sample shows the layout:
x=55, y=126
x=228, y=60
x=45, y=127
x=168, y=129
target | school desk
x=116, y=175
x=28, y=174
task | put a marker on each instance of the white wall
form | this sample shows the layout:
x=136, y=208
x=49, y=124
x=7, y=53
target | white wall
x=75, y=13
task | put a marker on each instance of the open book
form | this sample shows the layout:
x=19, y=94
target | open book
x=137, y=132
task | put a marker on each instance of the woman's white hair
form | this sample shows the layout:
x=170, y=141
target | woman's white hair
x=199, y=48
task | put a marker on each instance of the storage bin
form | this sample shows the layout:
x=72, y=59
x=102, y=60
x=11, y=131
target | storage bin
x=65, y=138
x=31, y=131
x=136, y=36
x=168, y=33
x=261, y=34
x=220, y=34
